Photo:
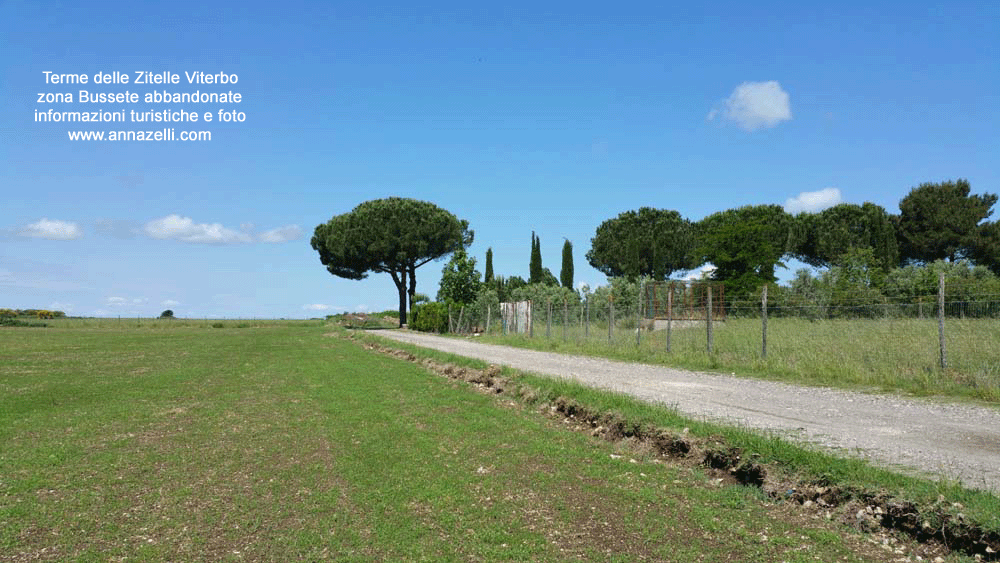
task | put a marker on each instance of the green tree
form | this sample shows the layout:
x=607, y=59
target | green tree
x=745, y=245
x=805, y=294
x=168, y=314
x=964, y=283
x=392, y=235
x=459, y=279
x=624, y=292
x=647, y=242
x=548, y=278
x=505, y=286
x=536, y=274
x=941, y=221
x=488, y=275
x=566, y=274
x=826, y=238
x=499, y=285
x=859, y=267
x=430, y=317
x=543, y=295
x=985, y=249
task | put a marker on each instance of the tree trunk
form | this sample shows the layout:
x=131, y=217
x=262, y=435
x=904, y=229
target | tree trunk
x=412, y=271
x=400, y=282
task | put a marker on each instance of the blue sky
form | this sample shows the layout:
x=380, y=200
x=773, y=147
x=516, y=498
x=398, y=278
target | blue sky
x=545, y=117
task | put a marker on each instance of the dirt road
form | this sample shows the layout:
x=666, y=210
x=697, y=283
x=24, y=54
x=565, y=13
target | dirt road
x=940, y=439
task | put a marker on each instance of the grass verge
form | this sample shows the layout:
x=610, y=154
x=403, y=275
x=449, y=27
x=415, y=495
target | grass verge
x=865, y=496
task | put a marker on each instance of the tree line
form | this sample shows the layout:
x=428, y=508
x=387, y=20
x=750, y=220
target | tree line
x=34, y=313
x=937, y=222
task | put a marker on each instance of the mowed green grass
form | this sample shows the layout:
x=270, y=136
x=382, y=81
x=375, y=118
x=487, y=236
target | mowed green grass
x=277, y=443
x=885, y=354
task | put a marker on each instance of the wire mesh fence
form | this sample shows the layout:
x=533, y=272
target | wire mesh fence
x=957, y=327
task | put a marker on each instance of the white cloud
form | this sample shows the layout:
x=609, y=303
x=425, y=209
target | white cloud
x=321, y=307
x=811, y=202
x=170, y=303
x=52, y=229
x=281, y=234
x=756, y=105
x=185, y=229
x=702, y=273
x=116, y=301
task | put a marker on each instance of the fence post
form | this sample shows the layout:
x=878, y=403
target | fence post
x=611, y=315
x=638, y=314
x=586, y=322
x=708, y=318
x=548, y=320
x=530, y=318
x=449, y=318
x=670, y=312
x=565, y=317
x=944, y=354
x=489, y=309
x=763, y=316
x=581, y=319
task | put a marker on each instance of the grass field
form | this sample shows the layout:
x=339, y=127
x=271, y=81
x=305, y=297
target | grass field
x=274, y=442
x=885, y=354
x=147, y=323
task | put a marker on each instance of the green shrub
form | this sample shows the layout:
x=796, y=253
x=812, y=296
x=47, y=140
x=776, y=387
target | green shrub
x=430, y=317
x=10, y=321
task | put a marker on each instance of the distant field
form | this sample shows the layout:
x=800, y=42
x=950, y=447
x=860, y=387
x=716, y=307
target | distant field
x=273, y=442
x=131, y=323
x=887, y=354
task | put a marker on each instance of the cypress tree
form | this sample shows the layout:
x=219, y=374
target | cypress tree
x=488, y=276
x=535, y=272
x=566, y=274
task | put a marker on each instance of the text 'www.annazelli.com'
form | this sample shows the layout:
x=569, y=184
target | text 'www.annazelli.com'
x=168, y=134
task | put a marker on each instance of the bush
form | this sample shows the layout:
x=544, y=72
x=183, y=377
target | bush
x=429, y=317
x=11, y=321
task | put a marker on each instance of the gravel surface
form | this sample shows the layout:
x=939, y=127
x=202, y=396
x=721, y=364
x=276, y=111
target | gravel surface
x=955, y=441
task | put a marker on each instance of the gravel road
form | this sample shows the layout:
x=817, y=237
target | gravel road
x=955, y=441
